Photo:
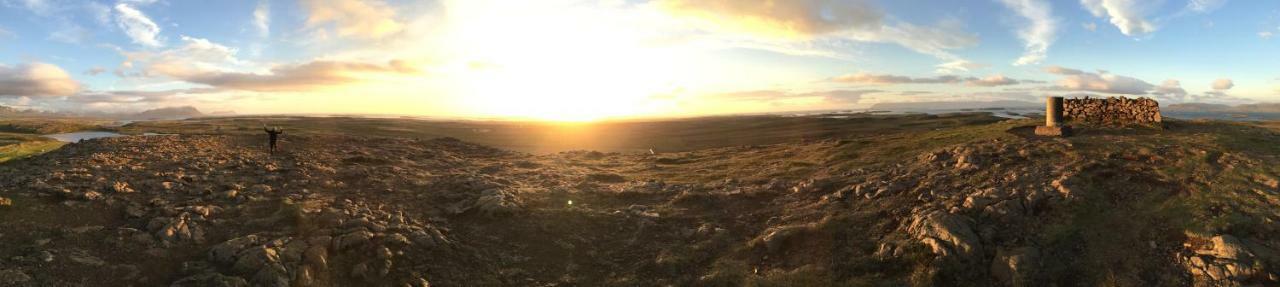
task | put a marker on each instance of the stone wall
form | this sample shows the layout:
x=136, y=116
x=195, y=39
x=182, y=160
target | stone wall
x=1116, y=111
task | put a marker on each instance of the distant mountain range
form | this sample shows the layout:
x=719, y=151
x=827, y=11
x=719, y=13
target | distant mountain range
x=1219, y=108
x=169, y=113
x=933, y=106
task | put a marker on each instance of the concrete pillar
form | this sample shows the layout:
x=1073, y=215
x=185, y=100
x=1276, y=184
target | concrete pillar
x=1053, y=112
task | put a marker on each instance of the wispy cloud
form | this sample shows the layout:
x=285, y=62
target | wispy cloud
x=370, y=19
x=137, y=26
x=809, y=20
x=262, y=18
x=1039, y=30
x=883, y=79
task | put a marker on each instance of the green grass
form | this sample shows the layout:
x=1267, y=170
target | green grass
x=26, y=149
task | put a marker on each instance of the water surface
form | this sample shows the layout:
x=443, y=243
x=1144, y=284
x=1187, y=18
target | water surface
x=78, y=136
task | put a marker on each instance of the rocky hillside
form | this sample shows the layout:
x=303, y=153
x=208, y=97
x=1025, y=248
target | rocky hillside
x=970, y=205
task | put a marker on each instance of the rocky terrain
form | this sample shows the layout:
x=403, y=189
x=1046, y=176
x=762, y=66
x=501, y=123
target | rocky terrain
x=972, y=204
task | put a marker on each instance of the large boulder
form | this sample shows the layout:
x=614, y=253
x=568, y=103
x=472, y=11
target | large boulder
x=1015, y=267
x=946, y=234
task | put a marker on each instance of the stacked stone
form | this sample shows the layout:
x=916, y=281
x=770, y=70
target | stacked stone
x=1113, y=111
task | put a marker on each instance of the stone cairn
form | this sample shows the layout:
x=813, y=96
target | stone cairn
x=1113, y=111
x=1053, y=119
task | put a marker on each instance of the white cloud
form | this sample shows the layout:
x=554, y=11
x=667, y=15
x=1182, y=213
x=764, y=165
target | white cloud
x=1102, y=82
x=1265, y=35
x=1204, y=6
x=1130, y=16
x=1170, y=90
x=1039, y=31
x=36, y=80
x=1223, y=84
x=262, y=18
x=137, y=26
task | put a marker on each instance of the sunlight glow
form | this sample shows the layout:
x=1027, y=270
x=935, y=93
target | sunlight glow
x=548, y=63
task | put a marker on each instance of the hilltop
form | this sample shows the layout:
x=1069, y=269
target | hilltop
x=928, y=200
x=169, y=113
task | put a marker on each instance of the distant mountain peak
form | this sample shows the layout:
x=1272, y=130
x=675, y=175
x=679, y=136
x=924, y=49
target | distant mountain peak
x=182, y=112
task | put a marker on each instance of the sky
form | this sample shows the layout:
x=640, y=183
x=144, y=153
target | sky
x=579, y=60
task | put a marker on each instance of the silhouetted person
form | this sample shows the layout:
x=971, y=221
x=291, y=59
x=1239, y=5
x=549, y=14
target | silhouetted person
x=274, y=135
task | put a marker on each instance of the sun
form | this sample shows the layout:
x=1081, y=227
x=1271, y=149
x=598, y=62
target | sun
x=554, y=64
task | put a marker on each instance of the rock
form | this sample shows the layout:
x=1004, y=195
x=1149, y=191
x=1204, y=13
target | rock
x=353, y=239
x=1015, y=267
x=317, y=256
x=210, y=279
x=121, y=187
x=976, y=202
x=44, y=256
x=86, y=259
x=496, y=202
x=1229, y=247
x=226, y=252
x=175, y=229
x=10, y=277
x=256, y=258
x=1267, y=181
x=90, y=196
x=952, y=231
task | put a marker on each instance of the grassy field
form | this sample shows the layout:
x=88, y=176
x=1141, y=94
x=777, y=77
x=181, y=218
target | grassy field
x=15, y=146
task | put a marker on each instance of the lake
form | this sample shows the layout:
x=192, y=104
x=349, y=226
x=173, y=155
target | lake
x=78, y=136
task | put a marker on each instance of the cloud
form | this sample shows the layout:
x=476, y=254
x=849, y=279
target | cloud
x=95, y=71
x=1133, y=17
x=992, y=81
x=137, y=26
x=36, y=80
x=4, y=33
x=300, y=77
x=1204, y=6
x=1038, y=33
x=1092, y=27
x=200, y=61
x=194, y=56
x=1102, y=82
x=262, y=18
x=1170, y=87
x=820, y=20
x=1127, y=15
x=1059, y=70
x=369, y=19
x=839, y=97
x=796, y=18
x=882, y=79
x=1170, y=90
x=1223, y=84
x=132, y=97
